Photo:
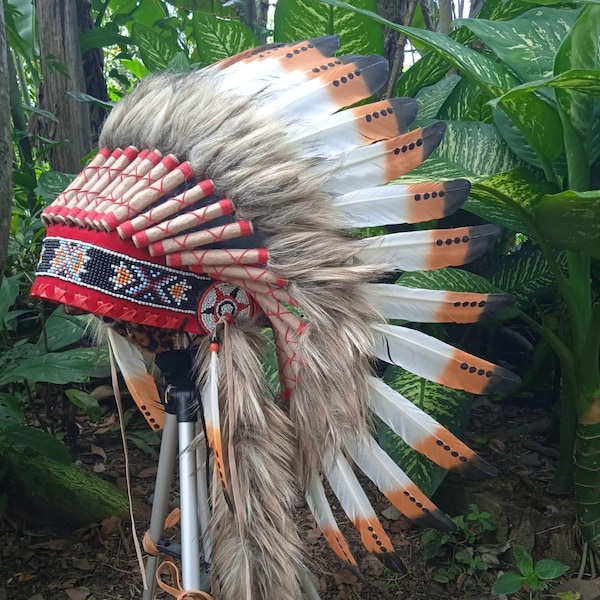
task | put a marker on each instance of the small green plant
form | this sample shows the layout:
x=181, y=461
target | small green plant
x=531, y=577
x=460, y=552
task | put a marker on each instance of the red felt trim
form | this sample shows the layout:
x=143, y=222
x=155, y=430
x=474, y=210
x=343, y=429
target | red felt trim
x=95, y=302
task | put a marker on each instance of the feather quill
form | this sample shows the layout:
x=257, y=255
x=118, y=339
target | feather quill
x=397, y=487
x=423, y=433
x=355, y=503
x=434, y=306
x=437, y=361
x=427, y=250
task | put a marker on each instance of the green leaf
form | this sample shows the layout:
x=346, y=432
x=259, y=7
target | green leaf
x=51, y=184
x=102, y=37
x=87, y=99
x=62, y=330
x=86, y=402
x=9, y=290
x=471, y=150
x=301, y=19
x=571, y=220
x=525, y=274
x=218, y=38
x=156, y=50
x=494, y=199
x=11, y=410
x=431, y=99
x=528, y=43
x=507, y=583
x=450, y=407
x=452, y=280
x=54, y=367
x=40, y=442
x=524, y=560
x=466, y=103
x=581, y=80
x=550, y=569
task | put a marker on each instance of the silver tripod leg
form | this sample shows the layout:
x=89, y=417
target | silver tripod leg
x=160, y=505
x=203, y=503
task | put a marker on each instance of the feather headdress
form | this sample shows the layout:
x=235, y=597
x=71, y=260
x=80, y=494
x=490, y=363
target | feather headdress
x=233, y=192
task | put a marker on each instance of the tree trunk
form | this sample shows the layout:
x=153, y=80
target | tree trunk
x=6, y=154
x=68, y=494
x=62, y=71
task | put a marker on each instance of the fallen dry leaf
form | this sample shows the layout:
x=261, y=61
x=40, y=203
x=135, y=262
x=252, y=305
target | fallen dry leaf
x=109, y=526
x=78, y=593
x=147, y=472
x=98, y=451
x=36, y=597
x=83, y=564
x=23, y=577
x=49, y=545
x=344, y=576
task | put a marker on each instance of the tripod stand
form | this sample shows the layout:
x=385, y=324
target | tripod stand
x=181, y=429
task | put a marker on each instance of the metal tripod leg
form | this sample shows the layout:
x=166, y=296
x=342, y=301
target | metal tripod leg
x=160, y=505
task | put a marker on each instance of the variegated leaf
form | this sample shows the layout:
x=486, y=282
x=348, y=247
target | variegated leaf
x=466, y=103
x=431, y=98
x=450, y=407
x=452, y=280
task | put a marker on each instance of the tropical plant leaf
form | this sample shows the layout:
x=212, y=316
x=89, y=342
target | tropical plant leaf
x=466, y=103
x=53, y=367
x=528, y=43
x=494, y=78
x=508, y=199
x=218, y=38
x=40, y=442
x=9, y=290
x=51, y=184
x=525, y=274
x=86, y=402
x=452, y=280
x=431, y=99
x=102, y=37
x=155, y=50
x=471, y=150
x=81, y=97
x=11, y=410
x=450, y=407
x=62, y=330
x=571, y=220
x=301, y=19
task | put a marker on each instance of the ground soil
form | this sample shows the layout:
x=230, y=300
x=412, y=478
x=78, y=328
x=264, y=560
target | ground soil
x=47, y=561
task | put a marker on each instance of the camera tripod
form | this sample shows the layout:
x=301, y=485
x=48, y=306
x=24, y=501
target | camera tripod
x=182, y=441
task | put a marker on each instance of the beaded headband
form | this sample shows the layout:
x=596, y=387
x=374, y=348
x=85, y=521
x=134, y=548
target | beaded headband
x=126, y=241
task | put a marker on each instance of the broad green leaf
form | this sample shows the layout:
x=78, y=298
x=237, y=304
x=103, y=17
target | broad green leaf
x=62, y=330
x=466, y=103
x=102, y=37
x=432, y=98
x=218, y=38
x=452, y=280
x=431, y=67
x=51, y=184
x=21, y=24
x=528, y=43
x=81, y=97
x=149, y=12
x=54, y=367
x=86, y=402
x=11, y=410
x=9, y=290
x=579, y=51
x=525, y=274
x=524, y=560
x=155, y=50
x=471, y=150
x=534, y=117
x=507, y=583
x=550, y=569
x=580, y=80
x=136, y=67
x=571, y=220
x=450, y=407
x=494, y=199
x=301, y=19
x=40, y=442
